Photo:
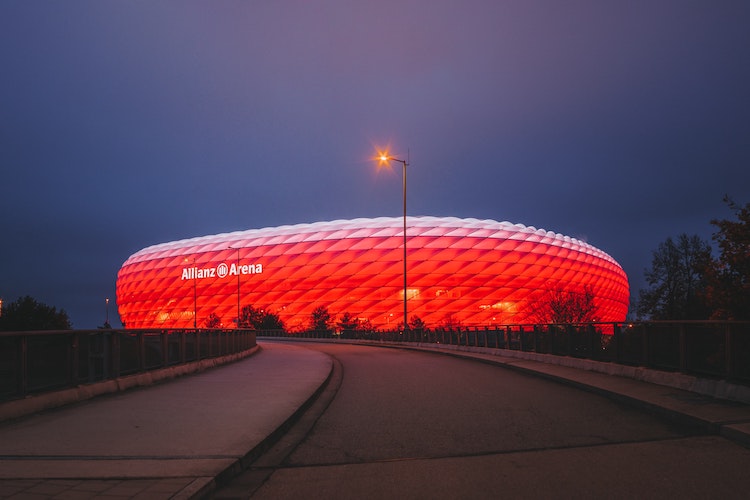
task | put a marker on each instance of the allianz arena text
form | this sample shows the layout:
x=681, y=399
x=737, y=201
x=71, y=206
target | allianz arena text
x=466, y=272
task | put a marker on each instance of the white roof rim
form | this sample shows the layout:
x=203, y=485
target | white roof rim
x=415, y=227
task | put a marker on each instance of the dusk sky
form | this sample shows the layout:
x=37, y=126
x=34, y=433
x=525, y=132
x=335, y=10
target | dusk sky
x=124, y=124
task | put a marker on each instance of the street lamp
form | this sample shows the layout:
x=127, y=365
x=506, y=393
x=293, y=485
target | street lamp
x=384, y=159
x=195, y=293
x=238, y=284
x=106, y=321
x=195, y=296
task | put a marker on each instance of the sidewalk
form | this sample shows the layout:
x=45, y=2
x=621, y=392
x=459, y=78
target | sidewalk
x=166, y=441
x=134, y=445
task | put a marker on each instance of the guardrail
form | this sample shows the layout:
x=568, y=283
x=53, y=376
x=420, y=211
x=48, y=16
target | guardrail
x=36, y=362
x=715, y=349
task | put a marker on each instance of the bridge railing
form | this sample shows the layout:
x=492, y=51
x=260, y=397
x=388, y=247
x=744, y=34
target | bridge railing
x=35, y=362
x=715, y=349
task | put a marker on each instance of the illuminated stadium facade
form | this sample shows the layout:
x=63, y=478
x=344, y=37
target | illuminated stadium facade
x=464, y=272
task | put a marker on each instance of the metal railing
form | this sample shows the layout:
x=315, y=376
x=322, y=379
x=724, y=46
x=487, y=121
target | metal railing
x=714, y=349
x=36, y=362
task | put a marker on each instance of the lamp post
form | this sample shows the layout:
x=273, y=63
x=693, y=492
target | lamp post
x=106, y=320
x=238, y=285
x=195, y=293
x=195, y=296
x=384, y=159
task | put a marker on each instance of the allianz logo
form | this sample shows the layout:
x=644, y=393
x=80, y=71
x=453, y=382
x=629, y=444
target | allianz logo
x=221, y=271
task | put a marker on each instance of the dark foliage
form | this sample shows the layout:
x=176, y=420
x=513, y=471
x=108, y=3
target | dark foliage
x=562, y=306
x=348, y=324
x=320, y=320
x=26, y=314
x=213, y=321
x=729, y=276
x=259, y=319
x=416, y=324
x=677, y=285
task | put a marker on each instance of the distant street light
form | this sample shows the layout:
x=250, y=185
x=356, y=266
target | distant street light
x=106, y=321
x=195, y=297
x=195, y=293
x=384, y=158
x=238, y=284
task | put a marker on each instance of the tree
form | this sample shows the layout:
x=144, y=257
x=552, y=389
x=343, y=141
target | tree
x=564, y=307
x=213, y=321
x=450, y=322
x=728, y=287
x=250, y=317
x=365, y=325
x=320, y=320
x=259, y=319
x=27, y=314
x=677, y=280
x=348, y=324
x=270, y=321
x=416, y=324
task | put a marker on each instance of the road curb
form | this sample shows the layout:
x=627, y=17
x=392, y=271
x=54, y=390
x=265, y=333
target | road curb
x=243, y=463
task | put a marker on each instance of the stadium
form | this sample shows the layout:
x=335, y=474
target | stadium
x=460, y=272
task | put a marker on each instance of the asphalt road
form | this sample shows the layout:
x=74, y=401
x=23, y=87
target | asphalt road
x=402, y=424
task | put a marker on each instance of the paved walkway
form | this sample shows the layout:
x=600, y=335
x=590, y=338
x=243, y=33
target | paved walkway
x=166, y=441
x=175, y=439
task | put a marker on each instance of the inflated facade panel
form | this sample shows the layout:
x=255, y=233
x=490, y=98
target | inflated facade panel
x=464, y=272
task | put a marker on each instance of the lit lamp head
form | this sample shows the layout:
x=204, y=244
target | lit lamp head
x=383, y=158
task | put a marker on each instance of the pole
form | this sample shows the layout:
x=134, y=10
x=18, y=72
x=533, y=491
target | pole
x=384, y=158
x=238, y=287
x=195, y=296
x=406, y=320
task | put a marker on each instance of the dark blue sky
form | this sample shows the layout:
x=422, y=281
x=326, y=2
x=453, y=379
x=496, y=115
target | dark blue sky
x=126, y=124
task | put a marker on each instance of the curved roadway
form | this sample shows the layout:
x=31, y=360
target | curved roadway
x=395, y=423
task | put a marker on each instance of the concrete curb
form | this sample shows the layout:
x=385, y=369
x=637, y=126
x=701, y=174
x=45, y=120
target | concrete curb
x=204, y=487
x=36, y=403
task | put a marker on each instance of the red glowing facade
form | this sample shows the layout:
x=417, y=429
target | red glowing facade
x=464, y=272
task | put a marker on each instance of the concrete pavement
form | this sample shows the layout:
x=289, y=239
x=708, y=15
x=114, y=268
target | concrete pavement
x=177, y=439
x=166, y=441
